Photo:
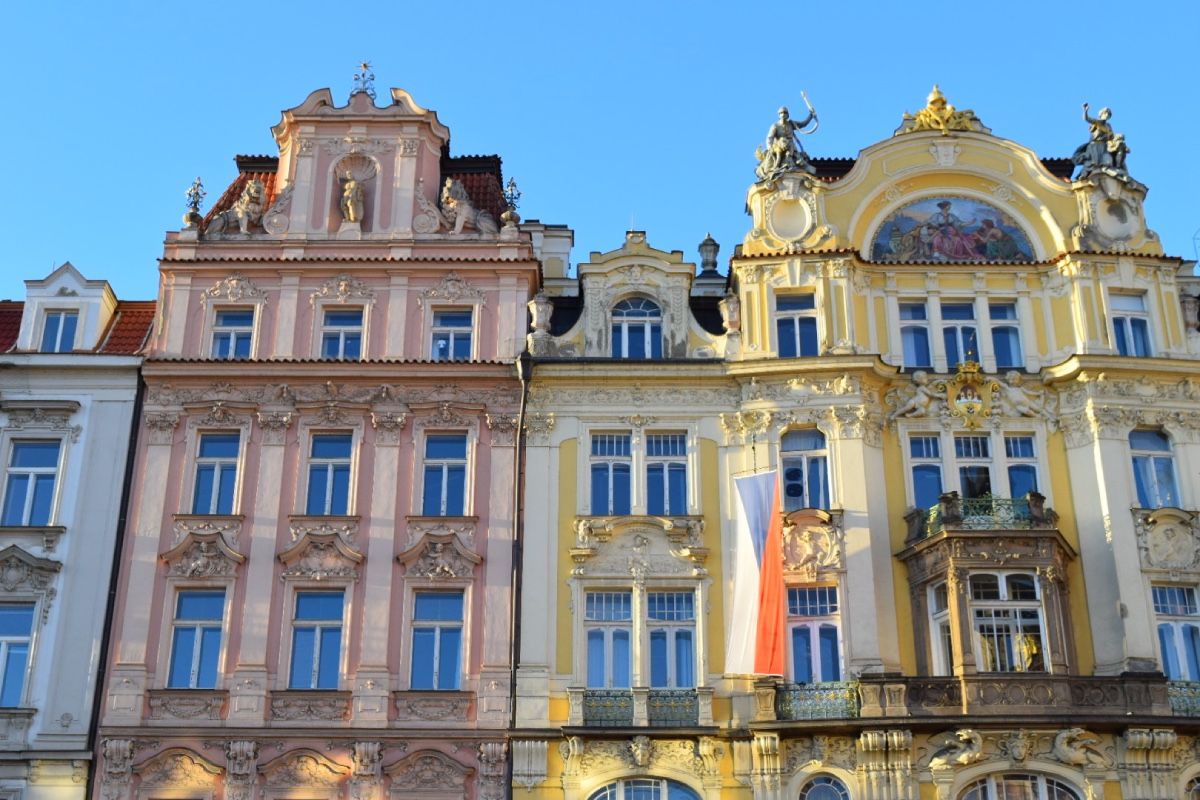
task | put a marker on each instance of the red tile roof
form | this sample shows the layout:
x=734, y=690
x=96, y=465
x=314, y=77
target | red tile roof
x=10, y=323
x=129, y=328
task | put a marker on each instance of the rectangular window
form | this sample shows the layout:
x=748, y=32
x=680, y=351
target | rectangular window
x=672, y=622
x=316, y=640
x=196, y=640
x=796, y=325
x=914, y=335
x=452, y=335
x=974, y=457
x=943, y=647
x=216, y=473
x=1153, y=470
x=437, y=640
x=341, y=333
x=666, y=473
x=1007, y=616
x=813, y=617
x=925, y=457
x=329, y=474
x=58, y=333
x=1131, y=324
x=959, y=333
x=29, y=483
x=16, y=634
x=1006, y=336
x=445, y=489
x=611, y=462
x=608, y=617
x=1178, y=631
x=1021, y=459
x=233, y=329
x=805, y=470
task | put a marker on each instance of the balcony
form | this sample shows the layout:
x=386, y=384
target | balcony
x=980, y=514
x=640, y=707
x=1184, y=697
x=829, y=700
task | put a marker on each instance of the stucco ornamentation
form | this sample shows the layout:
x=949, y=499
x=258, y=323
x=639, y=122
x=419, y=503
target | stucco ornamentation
x=461, y=213
x=813, y=540
x=435, y=527
x=220, y=415
x=276, y=219
x=538, y=427
x=302, y=768
x=118, y=767
x=836, y=751
x=342, y=288
x=428, y=771
x=745, y=426
x=236, y=288
x=427, y=708
x=246, y=212
x=388, y=425
x=492, y=764
x=44, y=419
x=452, y=289
x=440, y=557
x=186, y=704
x=177, y=768
x=1077, y=747
x=1168, y=540
x=640, y=547
x=922, y=398
x=320, y=556
x=202, y=555
x=957, y=749
x=296, y=706
x=20, y=570
x=430, y=220
x=504, y=429
x=241, y=758
x=274, y=425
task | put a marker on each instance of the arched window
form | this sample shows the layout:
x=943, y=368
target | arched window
x=1193, y=790
x=1033, y=787
x=644, y=789
x=824, y=787
x=636, y=329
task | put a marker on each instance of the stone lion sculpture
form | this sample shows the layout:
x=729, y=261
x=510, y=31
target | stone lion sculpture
x=247, y=210
x=458, y=211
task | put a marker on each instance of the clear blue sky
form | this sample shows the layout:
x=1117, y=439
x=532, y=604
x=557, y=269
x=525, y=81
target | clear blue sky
x=602, y=111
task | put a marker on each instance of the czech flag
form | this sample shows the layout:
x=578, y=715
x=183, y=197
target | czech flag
x=755, y=645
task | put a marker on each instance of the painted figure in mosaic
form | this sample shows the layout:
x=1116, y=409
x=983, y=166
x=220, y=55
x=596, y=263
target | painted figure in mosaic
x=949, y=240
x=998, y=244
x=352, y=199
x=784, y=152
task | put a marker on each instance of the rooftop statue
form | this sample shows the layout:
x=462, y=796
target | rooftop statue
x=938, y=115
x=1104, y=151
x=247, y=210
x=459, y=211
x=784, y=152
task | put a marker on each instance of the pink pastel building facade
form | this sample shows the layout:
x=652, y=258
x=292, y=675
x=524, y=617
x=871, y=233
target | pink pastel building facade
x=315, y=593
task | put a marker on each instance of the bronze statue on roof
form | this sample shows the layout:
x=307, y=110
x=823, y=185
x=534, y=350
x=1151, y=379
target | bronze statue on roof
x=783, y=152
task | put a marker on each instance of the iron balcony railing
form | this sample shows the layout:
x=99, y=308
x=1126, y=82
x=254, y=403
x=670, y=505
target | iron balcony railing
x=617, y=708
x=980, y=514
x=829, y=700
x=1184, y=697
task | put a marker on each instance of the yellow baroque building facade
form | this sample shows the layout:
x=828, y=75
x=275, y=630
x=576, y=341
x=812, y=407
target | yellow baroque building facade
x=971, y=373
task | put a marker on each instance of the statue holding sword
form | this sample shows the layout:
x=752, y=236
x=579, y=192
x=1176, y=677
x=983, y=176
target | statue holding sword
x=783, y=152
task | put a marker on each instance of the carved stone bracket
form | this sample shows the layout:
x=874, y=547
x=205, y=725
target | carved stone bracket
x=529, y=762
x=241, y=759
x=320, y=556
x=440, y=558
x=203, y=552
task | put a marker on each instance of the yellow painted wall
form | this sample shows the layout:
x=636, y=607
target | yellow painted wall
x=568, y=501
x=710, y=507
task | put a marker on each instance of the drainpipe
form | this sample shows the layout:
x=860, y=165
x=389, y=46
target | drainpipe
x=524, y=375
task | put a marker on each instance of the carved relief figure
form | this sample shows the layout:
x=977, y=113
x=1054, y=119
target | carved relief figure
x=964, y=747
x=458, y=210
x=1017, y=400
x=246, y=211
x=352, y=199
x=1075, y=746
x=639, y=751
x=916, y=400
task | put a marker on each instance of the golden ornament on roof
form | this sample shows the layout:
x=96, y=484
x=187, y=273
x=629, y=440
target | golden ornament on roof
x=939, y=115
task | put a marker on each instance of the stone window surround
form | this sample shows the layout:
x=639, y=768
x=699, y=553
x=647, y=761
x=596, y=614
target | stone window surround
x=637, y=429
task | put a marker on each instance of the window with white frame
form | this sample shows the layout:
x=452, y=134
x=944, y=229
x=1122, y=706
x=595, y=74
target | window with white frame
x=796, y=325
x=666, y=473
x=636, y=329
x=939, y=619
x=914, y=335
x=329, y=463
x=608, y=626
x=233, y=332
x=646, y=789
x=30, y=480
x=981, y=465
x=437, y=641
x=1017, y=787
x=216, y=473
x=1131, y=324
x=16, y=637
x=196, y=639
x=1006, y=615
x=445, y=487
x=1021, y=456
x=925, y=461
x=814, y=621
x=1153, y=469
x=1178, y=617
x=611, y=464
x=451, y=334
x=805, y=470
x=316, y=640
x=824, y=787
x=960, y=334
x=342, y=333
x=1006, y=335
x=973, y=455
x=672, y=622
x=58, y=331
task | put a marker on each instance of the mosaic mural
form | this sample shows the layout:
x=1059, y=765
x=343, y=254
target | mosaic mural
x=950, y=229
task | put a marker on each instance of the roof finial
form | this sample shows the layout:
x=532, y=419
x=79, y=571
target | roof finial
x=364, y=80
x=195, y=196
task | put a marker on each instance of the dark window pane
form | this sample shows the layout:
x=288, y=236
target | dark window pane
x=331, y=446
x=439, y=606
x=319, y=605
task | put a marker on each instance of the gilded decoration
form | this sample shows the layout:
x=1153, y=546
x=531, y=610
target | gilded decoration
x=969, y=395
x=950, y=229
x=939, y=115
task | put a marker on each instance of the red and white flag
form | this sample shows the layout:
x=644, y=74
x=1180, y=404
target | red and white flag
x=755, y=644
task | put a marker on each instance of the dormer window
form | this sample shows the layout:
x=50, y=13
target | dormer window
x=636, y=329
x=58, y=332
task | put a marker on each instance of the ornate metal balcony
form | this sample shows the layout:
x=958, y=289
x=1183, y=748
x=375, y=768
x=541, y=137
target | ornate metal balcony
x=640, y=707
x=1184, y=697
x=980, y=514
x=608, y=707
x=672, y=707
x=829, y=700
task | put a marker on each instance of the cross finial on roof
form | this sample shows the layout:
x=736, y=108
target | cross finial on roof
x=364, y=80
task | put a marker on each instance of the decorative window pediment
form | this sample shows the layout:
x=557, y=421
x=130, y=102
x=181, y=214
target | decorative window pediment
x=462, y=527
x=320, y=556
x=220, y=414
x=453, y=289
x=639, y=546
x=813, y=543
x=178, y=768
x=447, y=415
x=1169, y=541
x=202, y=554
x=440, y=558
x=236, y=288
x=428, y=773
x=342, y=288
x=303, y=768
x=51, y=416
x=22, y=572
